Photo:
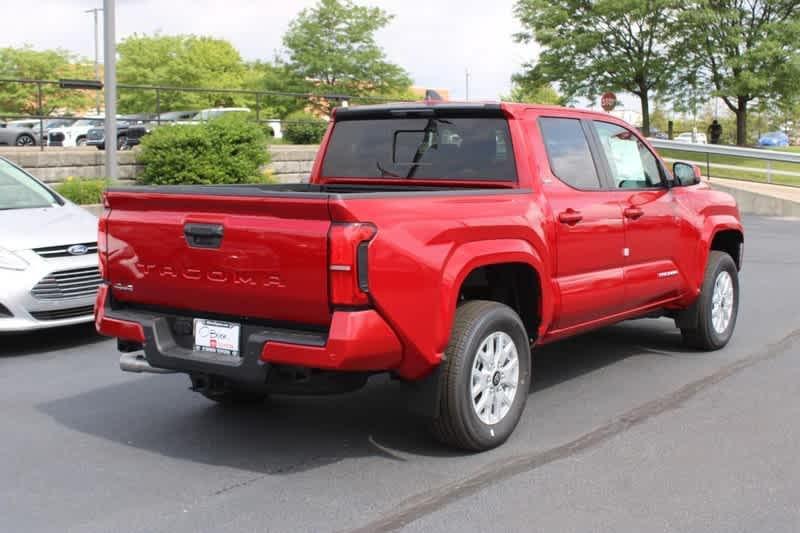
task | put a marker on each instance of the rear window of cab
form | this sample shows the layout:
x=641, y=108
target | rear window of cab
x=460, y=148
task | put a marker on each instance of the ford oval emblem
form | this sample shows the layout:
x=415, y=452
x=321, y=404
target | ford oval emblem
x=78, y=249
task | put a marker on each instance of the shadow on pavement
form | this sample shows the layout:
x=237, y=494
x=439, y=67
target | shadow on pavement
x=48, y=340
x=573, y=357
x=294, y=434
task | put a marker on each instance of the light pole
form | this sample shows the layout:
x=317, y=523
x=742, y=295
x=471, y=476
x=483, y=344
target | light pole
x=96, y=55
x=466, y=79
x=110, y=86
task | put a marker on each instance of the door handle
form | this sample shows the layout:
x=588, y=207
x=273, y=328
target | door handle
x=203, y=235
x=633, y=212
x=570, y=216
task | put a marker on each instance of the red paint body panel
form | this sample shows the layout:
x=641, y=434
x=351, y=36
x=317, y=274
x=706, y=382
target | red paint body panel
x=121, y=329
x=358, y=341
x=273, y=263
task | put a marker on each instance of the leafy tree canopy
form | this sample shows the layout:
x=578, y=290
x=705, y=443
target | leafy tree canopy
x=589, y=47
x=332, y=45
x=178, y=61
x=745, y=50
x=27, y=63
x=535, y=94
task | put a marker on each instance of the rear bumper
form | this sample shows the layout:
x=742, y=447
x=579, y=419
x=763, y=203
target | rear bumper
x=357, y=341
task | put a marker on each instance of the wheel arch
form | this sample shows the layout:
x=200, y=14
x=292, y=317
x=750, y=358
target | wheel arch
x=720, y=232
x=516, y=264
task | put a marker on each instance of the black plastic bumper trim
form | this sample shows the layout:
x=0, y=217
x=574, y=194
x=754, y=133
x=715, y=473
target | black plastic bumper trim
x=163, y=351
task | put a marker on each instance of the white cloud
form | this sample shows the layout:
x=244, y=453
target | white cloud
x=434, y=40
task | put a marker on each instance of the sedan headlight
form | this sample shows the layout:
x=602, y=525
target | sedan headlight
x=11, y=261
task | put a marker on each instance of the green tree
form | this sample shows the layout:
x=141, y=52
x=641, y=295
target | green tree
x=275, y=76
x=535, y=94
x=592, y=46
x=332, y=45
x=745, y=50
x=178, y=61
x=27, y=63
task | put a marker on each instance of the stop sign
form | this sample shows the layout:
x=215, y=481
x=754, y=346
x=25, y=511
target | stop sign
x=608, y=101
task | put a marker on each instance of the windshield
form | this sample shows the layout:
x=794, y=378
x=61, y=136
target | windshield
x=58, y=123
x=19, y=191
x=84, y=122
x=421, y=148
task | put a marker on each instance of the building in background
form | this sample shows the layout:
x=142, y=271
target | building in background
x=419, y=92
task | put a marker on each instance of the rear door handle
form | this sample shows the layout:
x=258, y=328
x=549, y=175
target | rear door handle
x=570, y=216
x=633, y=212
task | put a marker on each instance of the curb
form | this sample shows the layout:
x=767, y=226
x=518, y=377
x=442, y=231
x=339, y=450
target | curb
x=753, y=203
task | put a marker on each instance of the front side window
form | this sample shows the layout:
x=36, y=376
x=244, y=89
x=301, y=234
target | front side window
x=20, y=191
x=632, y=165
x=568, y=151
x=455, y=148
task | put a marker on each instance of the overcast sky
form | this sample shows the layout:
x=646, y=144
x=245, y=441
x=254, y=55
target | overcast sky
x=435, y=40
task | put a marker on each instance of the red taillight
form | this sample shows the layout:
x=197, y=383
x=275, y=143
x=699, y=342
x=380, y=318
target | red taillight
x=347, y=263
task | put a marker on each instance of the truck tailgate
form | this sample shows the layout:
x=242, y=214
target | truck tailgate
x=258, y=257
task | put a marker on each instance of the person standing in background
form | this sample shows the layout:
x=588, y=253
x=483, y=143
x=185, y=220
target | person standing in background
x=715, y=132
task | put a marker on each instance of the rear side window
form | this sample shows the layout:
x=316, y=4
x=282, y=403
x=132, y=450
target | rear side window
x=568, y=151
x=421, y=148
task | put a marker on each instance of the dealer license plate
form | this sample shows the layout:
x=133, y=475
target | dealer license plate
x=213, y=336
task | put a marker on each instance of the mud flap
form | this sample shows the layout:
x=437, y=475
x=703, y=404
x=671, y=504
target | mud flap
x=424, y=395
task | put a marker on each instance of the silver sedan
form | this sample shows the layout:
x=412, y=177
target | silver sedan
x=15, y=136
x=48, y=255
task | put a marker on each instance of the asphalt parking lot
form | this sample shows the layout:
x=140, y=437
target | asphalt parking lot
x=624, y=430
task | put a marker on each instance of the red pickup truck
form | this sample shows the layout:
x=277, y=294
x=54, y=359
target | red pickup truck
x=437, y=242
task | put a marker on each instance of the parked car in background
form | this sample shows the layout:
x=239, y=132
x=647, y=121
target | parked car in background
x=128, y=135
x=774, y=139
x=17, y=136
x=689, y=137
x=75, y=133
x=274, y=128
x=175, y=116
x=29, y=123
x=48, y=263
x=207, y=114
x=47, y=124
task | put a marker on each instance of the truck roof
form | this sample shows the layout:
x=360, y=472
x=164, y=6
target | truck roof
x=434, y=107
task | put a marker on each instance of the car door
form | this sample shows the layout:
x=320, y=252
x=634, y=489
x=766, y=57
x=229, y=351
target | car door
x=589, y=229
x=652, y=221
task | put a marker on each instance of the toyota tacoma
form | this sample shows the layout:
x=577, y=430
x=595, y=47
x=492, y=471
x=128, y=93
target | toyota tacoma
x=438, y=242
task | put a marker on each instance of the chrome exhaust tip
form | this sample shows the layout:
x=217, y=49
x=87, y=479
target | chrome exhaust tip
x=131, y=362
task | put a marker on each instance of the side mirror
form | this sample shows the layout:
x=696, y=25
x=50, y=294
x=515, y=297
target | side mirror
x=686, y=173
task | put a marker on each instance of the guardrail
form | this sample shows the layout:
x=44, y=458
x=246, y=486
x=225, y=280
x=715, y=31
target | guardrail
x=759, y=164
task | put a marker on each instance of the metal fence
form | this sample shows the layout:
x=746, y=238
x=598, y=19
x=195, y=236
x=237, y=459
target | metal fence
x=734, y=162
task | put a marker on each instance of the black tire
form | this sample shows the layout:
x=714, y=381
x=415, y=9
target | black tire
x=457, y=423
x=122, y=142
x=25, y=140
x=703, y=335
x=80, y=141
